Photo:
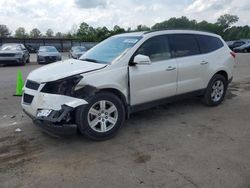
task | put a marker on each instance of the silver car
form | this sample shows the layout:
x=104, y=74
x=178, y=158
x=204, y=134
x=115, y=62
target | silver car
x=14, y=54
x=77, y=51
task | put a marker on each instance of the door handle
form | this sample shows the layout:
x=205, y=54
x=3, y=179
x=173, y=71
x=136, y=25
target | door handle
x=204, y=63
x=170, y=68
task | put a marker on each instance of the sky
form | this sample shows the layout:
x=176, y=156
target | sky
x=66, y=15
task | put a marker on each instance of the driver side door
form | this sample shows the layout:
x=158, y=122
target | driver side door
x=157, y=80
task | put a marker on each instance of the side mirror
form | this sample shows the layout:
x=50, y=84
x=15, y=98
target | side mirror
x=142, y=60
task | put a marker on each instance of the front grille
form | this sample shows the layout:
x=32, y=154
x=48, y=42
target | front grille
x=7, y=55
x=51, y=59
x=27, y=98
x=32, y=85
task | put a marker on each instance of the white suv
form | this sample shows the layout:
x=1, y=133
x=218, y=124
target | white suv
x=127, y=73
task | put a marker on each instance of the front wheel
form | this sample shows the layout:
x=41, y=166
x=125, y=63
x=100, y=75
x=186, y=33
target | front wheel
x=216, y=91
x=102, y=117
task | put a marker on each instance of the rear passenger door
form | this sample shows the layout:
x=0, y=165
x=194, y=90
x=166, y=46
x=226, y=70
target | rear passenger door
x=191, y=64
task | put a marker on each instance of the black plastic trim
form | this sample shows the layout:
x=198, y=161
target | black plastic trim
x=144, y=106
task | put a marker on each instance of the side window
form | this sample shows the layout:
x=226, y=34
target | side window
x=183, y=45
x=208, y=43
x=157, y=48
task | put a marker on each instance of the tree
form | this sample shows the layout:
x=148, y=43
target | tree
x=59, y=35
x=49, y=33
x=20, y=32
x=142, y=28
x=176, y=23
x=226, y=21
x=4, y=31
x=102, y=33
x=117, y=29
x=35, y=33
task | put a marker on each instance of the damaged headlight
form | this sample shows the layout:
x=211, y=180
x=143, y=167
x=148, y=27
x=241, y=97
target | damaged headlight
x=64, y=86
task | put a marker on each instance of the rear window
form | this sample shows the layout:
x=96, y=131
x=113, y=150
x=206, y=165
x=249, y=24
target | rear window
x=183, y=45
x=209, y=43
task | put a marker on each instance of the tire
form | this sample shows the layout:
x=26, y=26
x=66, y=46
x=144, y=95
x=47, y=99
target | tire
x=95, y=122
x=216, y=91
x=23, y=62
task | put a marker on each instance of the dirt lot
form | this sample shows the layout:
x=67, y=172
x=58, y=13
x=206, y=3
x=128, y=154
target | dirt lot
x=184, y=144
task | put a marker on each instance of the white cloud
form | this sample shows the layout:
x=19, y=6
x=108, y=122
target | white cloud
x=91, y=3
x=210, y=10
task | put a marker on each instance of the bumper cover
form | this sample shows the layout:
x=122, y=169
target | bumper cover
x=61, y=107
x=9, y=60
x=49, y=126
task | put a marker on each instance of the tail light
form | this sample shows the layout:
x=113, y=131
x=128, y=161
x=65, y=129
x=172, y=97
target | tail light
x=233, y=54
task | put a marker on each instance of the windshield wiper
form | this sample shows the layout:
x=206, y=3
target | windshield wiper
x=94, y=61
x=90, y=60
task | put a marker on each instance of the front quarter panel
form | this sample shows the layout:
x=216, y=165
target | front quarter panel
x=112, y=77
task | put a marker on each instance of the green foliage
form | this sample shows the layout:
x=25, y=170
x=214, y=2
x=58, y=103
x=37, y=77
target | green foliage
x=35, y=33
x=226, y=20
x=4, y=31
x=20, y=32
x=49, y=33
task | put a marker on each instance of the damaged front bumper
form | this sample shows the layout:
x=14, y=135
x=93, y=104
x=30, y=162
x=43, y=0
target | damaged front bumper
x=50, y=111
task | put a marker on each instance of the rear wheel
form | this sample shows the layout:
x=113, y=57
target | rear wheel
x=216, y=90
x=102, y=117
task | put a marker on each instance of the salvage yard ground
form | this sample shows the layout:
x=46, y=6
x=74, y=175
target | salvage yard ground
x=183, y=144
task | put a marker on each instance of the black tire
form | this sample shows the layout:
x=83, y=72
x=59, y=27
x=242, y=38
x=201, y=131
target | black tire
x=23, y=62
x=82, y=117
x=207, y=98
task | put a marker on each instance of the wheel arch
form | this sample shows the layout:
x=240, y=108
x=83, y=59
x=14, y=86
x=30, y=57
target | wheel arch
x=120, y=95
x=223, y=73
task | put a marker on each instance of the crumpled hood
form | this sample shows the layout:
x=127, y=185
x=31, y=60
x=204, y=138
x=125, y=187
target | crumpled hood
x=62, y=69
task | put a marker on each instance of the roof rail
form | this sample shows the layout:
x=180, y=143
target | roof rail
x=179, y=29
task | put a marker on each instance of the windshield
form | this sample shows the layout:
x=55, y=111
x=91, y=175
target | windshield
x=10, y=47
x=109, y=50
x=47, y=49
x=78, y=49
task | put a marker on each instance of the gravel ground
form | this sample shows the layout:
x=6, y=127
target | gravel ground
x=183, y=144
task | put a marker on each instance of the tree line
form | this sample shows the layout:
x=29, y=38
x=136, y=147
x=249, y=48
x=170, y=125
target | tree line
x=223, y=26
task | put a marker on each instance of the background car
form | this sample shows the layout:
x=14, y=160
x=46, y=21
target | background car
x=48, y=54
x=236, y=44
x=77, y=51
x=14, y=54
x=244, y=48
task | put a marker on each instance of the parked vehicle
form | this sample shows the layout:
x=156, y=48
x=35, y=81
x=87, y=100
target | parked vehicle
x=48, y=54
x=30, y=48
x=244, y=48
x=236, y=44
x=14, y=54
x=127, y=73
x=77, y=51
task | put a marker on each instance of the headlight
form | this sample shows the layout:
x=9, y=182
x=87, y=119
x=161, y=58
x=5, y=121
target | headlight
x=64, y=86
x=41, y=57
x=19, y=54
